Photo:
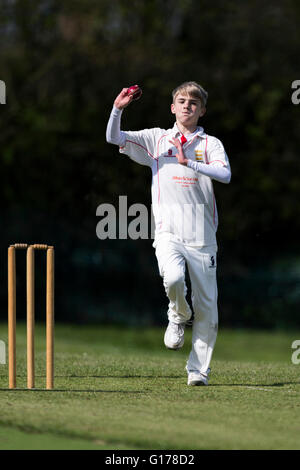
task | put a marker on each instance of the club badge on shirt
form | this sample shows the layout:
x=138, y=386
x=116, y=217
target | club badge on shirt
x=199, y=155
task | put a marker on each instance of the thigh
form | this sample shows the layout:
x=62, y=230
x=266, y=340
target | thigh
x=202, y=271
x=169, y=256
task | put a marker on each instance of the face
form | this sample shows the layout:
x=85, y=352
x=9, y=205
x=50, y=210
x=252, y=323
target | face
x=187, y=109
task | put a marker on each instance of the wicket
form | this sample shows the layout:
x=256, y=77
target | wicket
x=30, y=314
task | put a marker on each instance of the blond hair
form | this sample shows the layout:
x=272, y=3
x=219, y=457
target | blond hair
x=193, y=89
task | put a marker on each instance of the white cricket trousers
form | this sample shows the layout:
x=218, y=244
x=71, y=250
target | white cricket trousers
x=172, y=258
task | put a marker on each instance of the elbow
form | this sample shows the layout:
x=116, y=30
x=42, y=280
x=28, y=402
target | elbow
x=225, y=178
x=109, y=136
x=228, y=179
x=109, y=139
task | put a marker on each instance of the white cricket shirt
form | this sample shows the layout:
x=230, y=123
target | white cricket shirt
x=183, y=200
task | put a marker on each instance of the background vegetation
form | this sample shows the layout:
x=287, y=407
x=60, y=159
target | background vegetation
x=63, y=64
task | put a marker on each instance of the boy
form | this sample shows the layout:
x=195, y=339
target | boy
x=184, y=160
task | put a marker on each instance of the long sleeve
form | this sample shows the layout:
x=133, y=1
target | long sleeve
x=113, y=133
x=216, y=171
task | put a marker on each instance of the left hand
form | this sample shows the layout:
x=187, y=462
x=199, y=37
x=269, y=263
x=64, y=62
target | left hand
x=180, y=155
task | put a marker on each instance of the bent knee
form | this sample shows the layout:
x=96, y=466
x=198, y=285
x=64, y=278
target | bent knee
x=173, y=279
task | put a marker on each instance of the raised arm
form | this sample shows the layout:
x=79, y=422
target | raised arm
x=113, y=133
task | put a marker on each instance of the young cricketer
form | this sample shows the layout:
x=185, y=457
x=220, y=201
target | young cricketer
x=184, y=160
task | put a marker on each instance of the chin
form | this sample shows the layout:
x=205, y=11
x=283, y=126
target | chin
x=188, y=121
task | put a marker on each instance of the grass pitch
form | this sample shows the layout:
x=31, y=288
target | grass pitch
x=118, y=388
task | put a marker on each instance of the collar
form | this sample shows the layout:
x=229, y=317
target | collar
x=176, y=132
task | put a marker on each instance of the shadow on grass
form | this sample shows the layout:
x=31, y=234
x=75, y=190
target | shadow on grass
x=121, y=376
x=168, y=377
x=67, y=390
x=276, y=384
x=108, y=377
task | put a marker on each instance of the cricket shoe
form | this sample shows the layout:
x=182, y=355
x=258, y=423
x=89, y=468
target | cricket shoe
x=195, y=378
x=174, y=335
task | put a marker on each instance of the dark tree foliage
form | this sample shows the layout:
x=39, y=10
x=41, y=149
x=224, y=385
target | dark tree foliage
x=63, y=64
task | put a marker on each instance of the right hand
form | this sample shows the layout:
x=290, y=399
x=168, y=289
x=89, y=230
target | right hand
x=123, y=99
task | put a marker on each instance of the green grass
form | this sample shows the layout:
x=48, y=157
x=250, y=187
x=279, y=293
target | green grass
x=118, y=388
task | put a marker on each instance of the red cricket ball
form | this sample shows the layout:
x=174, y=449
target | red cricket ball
x=135, y=91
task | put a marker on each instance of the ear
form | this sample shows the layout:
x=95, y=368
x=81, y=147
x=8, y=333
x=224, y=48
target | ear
x=203, y=111
x=172, y=108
